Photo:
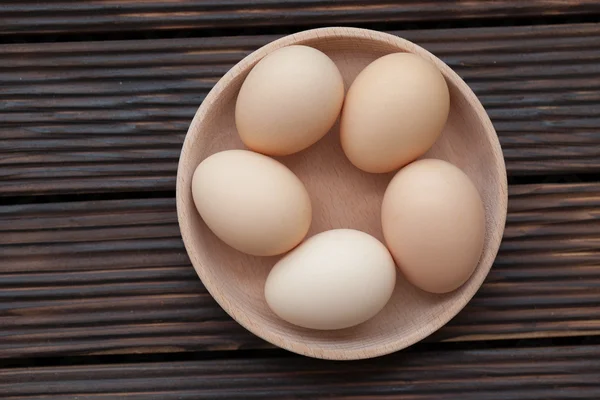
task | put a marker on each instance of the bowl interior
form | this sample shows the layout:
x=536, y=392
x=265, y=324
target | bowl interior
x=342, y=197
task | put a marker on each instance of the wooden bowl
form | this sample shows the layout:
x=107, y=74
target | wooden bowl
x=342, y=197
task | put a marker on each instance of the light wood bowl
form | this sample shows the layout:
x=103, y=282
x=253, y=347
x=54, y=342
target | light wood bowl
x=342, y=197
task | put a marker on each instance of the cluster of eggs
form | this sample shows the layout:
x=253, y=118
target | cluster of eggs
x=432, y=216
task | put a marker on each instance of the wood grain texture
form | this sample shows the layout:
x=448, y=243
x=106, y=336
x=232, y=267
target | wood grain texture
x=31, y=17
x=113, y=277
x=549, y=373
x=111, y=116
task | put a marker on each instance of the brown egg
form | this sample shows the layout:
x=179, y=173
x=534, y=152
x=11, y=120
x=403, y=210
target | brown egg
x=433, y=224
x=251, y=202
x=394, y=111
x=289, y=101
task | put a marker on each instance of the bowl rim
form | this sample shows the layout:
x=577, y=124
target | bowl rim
x=495, y=232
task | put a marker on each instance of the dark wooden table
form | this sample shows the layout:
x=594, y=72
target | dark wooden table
x=98, y=299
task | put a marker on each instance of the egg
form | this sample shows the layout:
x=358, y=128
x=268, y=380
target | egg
x=289, y=101
x=433, y=222
x=334, y=280
x=394, y=111
x=252, y=202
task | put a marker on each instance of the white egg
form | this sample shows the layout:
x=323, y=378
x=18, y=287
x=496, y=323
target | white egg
x=334, y=280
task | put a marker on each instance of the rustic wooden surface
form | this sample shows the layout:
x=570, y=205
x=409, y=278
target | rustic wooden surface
x=504, y=374
x=133, y=15
x=113, y=277
x=98, y=299
x=90, y=117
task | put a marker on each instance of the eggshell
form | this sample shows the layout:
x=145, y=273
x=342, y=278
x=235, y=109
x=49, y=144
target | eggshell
x=289, y=101
x=434, y=224
x=334, y=280
x=252, y=202
x=394, y=111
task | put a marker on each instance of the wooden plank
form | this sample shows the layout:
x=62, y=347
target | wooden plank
x=32, y=17
x=93, y=116
x=549, y=373
x=113, y=277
